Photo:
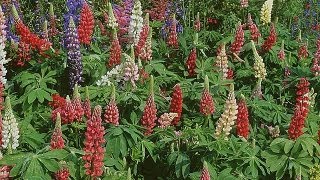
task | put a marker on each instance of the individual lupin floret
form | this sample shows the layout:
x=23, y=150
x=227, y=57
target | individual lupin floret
x=227, y=119
x=266, y=12
x=258, y=66
x=10, y=130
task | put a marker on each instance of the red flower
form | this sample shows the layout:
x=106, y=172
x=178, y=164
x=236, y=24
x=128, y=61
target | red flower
x=205, y=173
x=197, y=23
x=254, y=31
x=30, y=38
x=230, y=73
x=57, y=141
x=242, y=119
x=78, y=110
x=143, y=75
x=239, y=40
x=176, y=103
x=52, y=20
x=158, y=11
x=149, y=116
x=315, y=67
x=102, y=28
x=172, y=39
x=191, y=62
x=86, y=25
x=271, y=40
x=301, y=109
x=62, y=174
x=206, y=103
x=143, y=37
x=94, y=145
x=303, y=51
x=281, y=55
x=115, y=52
x=23, y=53
x=111, y=114
x=5, y=172
x=66, y=111
x=57, y=101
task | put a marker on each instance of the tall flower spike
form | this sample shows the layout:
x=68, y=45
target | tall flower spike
x=27, y=36
x=45, y=32
x=303, y=51
x=197, y=23
x=10, y=130
x=222, y=61
x=3, y=59
x=281, y=53
x=238, y=42
x=111, y=114
x=191, y=62
x=94, y=145
x=136, y=22
x=266, y=12
x=115, y=51
x=254, y=31
x=172, y=39
x=159, y=9
x=112, y=21
x=57, y=141
x=53, y=29
x=176, y=103
x=243, y=118
x=146, y=51
x=258, y=66
x=205, y=175
x=143, y=36
x=77, y=104
x=228, y=117
x=86, y=25
x=206, y=101
x=74, y=60
x=149, y=117
x=301, y=109
x=87, y=105
x=130, y=69
x=271, y=39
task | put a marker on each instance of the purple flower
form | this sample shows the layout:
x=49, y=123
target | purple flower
x=172, y=8
x=73, y=6
x=74, y=56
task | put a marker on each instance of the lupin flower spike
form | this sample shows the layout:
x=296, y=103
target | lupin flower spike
x=281, y=53
x=57, y=141
x=266, y=12
x=112, y=113
x=112, y=21
x=259, y=67
x=206, y=101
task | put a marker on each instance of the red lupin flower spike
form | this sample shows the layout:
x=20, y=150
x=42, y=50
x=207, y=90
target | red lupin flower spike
x=77, y=104
x=242, y=119
x=115, y=51
x=206, y=101
x=57, y=141
x=192, y=59
x=301, y=109
x=149, y=117
x=303, y=51
x=111, y=114
x=238, y=42
x=27, y=36
x=271, y=40
x=143, y=36
x=87, y=105
x=86, y=25
x=146, y=51
x=52, y=21
x=23, y=53
x=176, y=103
x=172, y=39
x=62, y=174
x=94, y=145
x=205, y=172
x=254, y=31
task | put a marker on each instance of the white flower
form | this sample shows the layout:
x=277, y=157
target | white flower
x=266, y=12
x=136, y=23
x=10, y=130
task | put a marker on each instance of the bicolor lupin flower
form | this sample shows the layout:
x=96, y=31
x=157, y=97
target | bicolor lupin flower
x=130, y=69
x=10, y=130
x=143, y=36
x=146, y=51
x=74, y=60
x=205, y=175
x=228, y=117
x=136, y=22
x=266, y=12
x=222, y=61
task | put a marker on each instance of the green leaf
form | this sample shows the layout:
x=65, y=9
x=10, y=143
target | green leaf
x=55, y=154
x=50, y=164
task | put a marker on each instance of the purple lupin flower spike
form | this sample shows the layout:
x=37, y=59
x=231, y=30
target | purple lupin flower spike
x=9, y=23
x=73, y=6
x=74, y=61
